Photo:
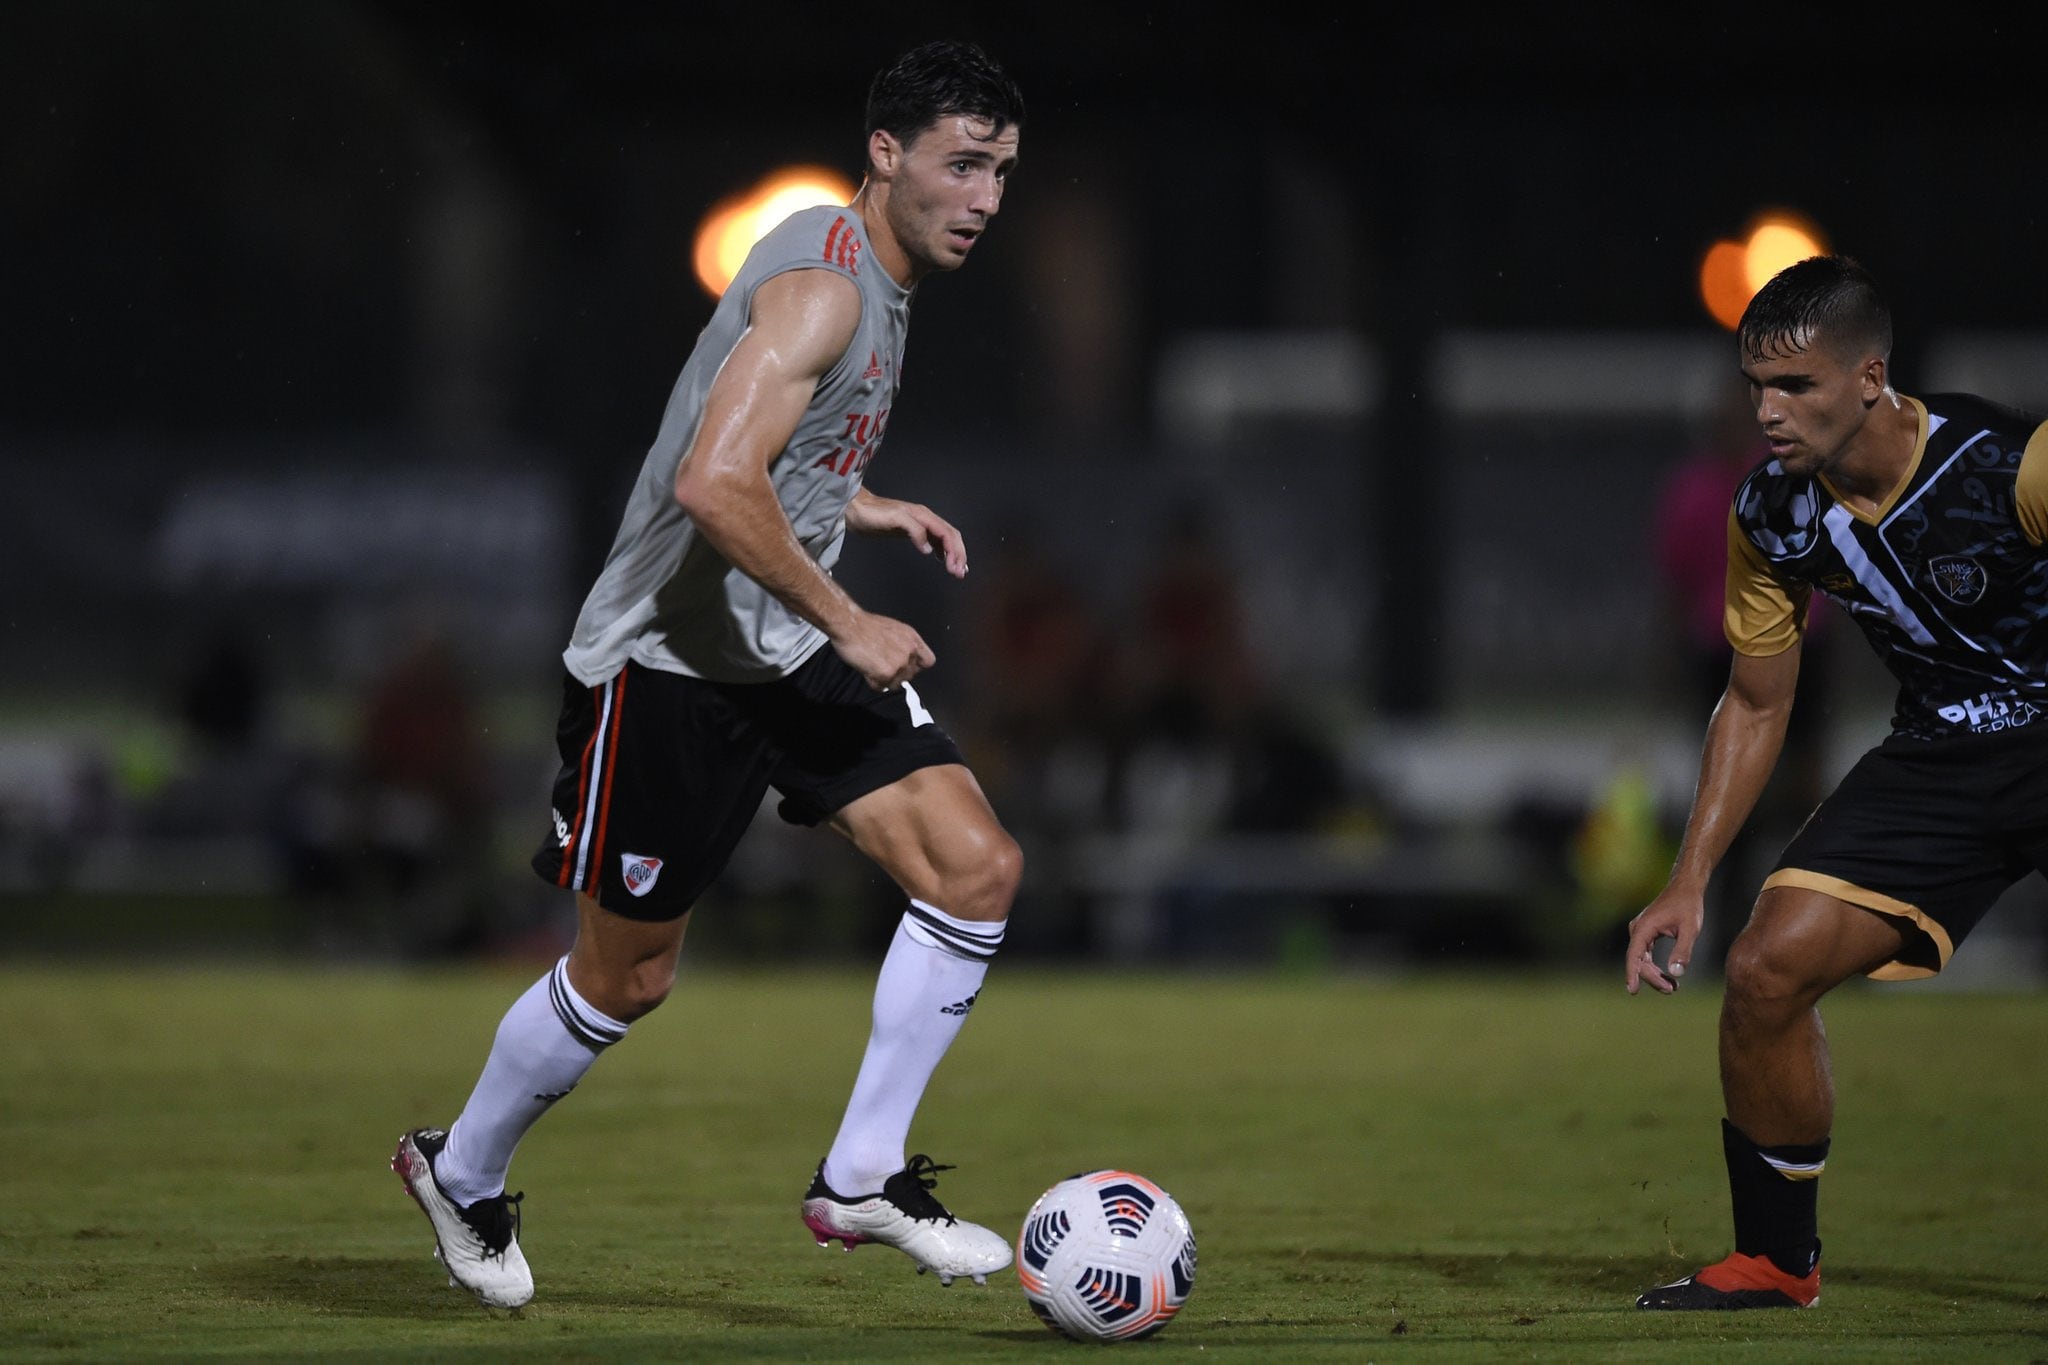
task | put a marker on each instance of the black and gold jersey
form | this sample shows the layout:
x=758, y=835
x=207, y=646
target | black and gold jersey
x=1948, y=579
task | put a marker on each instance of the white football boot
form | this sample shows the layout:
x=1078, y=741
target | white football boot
x=478, y=1244
x=906, y=1216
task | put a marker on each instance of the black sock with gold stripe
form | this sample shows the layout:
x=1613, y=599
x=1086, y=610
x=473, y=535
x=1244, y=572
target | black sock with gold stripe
x=1775, y=1191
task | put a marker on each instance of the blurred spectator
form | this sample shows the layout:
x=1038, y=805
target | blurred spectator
x=1190, y=666
x=394, y=847
x=1185, y=679
x=1160, y=724
x=425, y=798
x=1204, y=747
x=1205, y=744
x=230, y=777
x=419, y=747
x=226, y=696
x=1038, y=730
x=1040, y=657
x=1691, y=539
x=1620, y=856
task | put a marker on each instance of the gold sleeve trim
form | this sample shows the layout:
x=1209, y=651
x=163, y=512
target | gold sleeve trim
x=1896, y=969
x=2031, y=490
x=1762, y=617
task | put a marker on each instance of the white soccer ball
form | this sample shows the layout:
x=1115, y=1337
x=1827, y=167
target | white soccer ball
x=1106, y=1256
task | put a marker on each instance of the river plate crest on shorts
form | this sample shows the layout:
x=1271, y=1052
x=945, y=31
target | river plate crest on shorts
x=638, y=872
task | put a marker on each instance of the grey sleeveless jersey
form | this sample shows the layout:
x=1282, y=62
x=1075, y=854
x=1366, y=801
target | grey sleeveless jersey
x=665, y=597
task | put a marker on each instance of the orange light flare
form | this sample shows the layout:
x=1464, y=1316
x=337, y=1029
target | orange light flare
x=1731, y=272
x=735, y=223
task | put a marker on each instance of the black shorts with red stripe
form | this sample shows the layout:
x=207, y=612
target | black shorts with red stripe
x=662, y=773
x=1931, y=832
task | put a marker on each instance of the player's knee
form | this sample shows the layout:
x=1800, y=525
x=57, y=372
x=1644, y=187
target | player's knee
x=647, y=986
x=636, y=991
x=1005, y=870
x=1760, y=976
x=983, y=886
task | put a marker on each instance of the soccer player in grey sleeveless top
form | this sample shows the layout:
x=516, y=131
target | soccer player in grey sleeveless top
x=715, y=657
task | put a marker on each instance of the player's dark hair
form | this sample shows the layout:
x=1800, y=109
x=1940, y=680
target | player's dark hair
x=1832, y=298
x=938, y=79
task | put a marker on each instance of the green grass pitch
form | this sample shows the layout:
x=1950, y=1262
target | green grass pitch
x=1376, y=1168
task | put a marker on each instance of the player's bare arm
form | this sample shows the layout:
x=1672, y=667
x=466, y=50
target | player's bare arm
x=800, y=325
x=1742, y=745
x=872, y=515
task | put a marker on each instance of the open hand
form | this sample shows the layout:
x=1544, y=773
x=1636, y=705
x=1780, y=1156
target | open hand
x=872, y=515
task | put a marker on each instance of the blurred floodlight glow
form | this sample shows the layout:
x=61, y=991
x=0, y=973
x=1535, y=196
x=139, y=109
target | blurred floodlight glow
x=1774, y=244
x=732, y=227
x=1731, y=272
x=1724, y=284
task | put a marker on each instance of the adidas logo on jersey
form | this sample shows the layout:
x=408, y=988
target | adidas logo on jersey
x=874, y=369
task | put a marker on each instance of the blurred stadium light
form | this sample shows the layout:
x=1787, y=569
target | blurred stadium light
x=1731, y=272
x=1778, y=240
x=734, y=224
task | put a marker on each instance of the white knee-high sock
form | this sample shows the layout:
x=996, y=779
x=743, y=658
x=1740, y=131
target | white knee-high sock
x=545, y=1043
x=928, y=982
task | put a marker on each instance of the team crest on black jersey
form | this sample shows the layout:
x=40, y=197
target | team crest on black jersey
x=1781, y=516
x=1960, y=579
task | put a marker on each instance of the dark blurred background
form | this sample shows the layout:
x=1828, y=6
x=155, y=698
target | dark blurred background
x=1330, y=414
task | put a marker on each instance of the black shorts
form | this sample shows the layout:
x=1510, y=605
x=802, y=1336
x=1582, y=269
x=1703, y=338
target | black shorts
x=661, y=774
x=1931, y=831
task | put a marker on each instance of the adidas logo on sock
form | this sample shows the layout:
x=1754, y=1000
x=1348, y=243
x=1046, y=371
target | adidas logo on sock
x=960, y=1006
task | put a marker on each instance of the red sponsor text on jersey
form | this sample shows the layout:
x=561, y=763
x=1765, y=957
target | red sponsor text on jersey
x=858, y=443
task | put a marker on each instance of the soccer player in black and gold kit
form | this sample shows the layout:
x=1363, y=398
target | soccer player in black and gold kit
x=1925, y=519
